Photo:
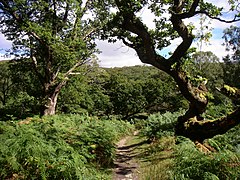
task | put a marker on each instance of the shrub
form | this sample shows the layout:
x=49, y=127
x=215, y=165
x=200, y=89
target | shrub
x=229, y=140
x=216, y=111
x=190, y=163
x=158, y=125
x=58, y=147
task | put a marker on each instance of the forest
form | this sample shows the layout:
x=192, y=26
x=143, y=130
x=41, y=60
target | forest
x=63, y=116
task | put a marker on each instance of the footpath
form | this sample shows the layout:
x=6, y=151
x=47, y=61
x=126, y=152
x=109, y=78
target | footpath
x=125, y=164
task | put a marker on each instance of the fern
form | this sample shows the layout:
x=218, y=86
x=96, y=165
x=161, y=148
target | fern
x=58, y=147
x=190, y=163
x=158, y=125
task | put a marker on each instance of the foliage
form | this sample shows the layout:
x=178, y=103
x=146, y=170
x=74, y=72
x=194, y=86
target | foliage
x=220, y=110
x=20, y=93
x=119, y=91
x=158, y=125
x=231, y=64
x=5, y=83
x=209, y=66
x=125, y=95
x=21, y=105
x=139, y=89
x=231, y=72
x=86, y=94
x=231, y=37
x=190, y=163
x=228, y=141
x=58, y=147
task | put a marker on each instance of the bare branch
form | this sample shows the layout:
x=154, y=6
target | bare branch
x=235, y=19
x=56, y=74
x=89, y=32
x=35, y=64
x=79, y=63
x=192, y=12
x=182, y=30
x=127, y=43
x=34, y=61
x=75, y=73
x=69, y=72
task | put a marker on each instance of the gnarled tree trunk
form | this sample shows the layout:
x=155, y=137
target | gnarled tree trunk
x=51, y=98
x=50, y=106
x=191, y=124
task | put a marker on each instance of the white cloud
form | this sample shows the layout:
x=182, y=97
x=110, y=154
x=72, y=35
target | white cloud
x=222, y=3
x=147, y=18
x=116, y=54
x=4, y=43
x=216, y=47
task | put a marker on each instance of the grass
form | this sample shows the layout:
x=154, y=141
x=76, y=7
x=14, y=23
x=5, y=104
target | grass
x=155, y=160
x=164, y=159
x=170, y=157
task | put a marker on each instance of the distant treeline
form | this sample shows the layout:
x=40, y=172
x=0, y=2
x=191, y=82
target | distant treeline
x=125, y=91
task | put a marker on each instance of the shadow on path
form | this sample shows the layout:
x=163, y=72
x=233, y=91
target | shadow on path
x=132, y=145
x=125, y=166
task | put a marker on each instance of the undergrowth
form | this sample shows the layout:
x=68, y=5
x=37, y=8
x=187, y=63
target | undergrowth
x=159, y=125
x=157, y=161
x=59, y=147
x=191, y=163
x=185, y=160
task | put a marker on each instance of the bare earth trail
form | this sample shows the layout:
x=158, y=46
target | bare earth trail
x=125, y=164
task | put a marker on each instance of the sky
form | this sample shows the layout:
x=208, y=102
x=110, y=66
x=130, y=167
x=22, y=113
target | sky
x=118, y=55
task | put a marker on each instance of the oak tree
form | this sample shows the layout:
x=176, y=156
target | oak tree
x=55, y=35
x=126, y=24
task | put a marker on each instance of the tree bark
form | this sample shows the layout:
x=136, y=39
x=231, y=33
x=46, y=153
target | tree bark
x=50, y=107
x=51, y=98
x=200, y=130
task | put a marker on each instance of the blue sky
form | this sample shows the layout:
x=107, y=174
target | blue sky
x=119, y=55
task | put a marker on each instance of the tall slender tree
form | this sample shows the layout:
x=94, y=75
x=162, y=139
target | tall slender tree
x=56, y=35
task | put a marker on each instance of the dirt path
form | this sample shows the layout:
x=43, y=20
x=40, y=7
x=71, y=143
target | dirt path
x=125, y=165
